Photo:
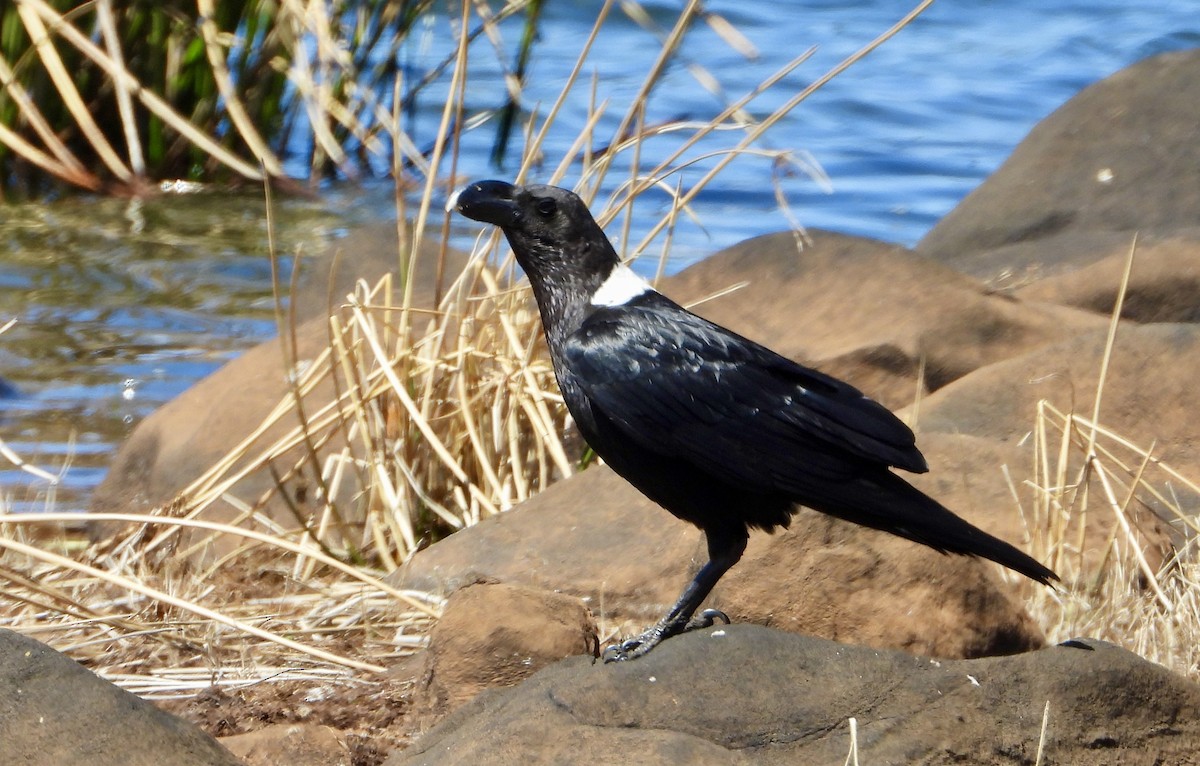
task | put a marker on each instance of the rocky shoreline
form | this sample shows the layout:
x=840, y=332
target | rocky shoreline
x=1003, y=305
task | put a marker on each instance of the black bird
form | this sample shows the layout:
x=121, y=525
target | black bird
x=719, y=430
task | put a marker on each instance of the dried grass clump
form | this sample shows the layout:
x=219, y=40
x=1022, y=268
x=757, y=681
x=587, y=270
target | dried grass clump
x=1085, y=469
x=121, y=96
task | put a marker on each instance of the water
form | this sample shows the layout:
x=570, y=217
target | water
x=121, y=305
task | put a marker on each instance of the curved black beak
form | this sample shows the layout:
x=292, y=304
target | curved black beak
x=487, y=201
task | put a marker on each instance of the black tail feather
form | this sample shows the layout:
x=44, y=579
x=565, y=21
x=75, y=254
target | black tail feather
x=889, y=503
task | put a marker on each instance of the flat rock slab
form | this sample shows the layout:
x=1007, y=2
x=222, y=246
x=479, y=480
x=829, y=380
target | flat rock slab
x=55, y=712
x=750, y=695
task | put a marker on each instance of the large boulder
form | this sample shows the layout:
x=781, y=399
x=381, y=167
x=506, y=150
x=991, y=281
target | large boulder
x=55, y=712
x=749, y=695
x=875, y=314
x=595, y=537
x=1122, y=156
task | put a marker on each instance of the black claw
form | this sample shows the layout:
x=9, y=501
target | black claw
x=1076, y=643
x=707, y=619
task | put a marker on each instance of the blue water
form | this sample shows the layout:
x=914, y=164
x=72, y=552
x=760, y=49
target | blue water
x=902, y=136
x=134, y=305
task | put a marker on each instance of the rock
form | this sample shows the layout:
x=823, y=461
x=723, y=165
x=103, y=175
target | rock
x=867, y=311
x=595, y=537
x=744, y=694
x=495, y=635
x=1121, y=156
x=184, y=438
x=1149, y=396
x=1164, y=284
x=1149, y=391
x=54, y=712
x=290, y=743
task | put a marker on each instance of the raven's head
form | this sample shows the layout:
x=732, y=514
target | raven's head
x=551, y=231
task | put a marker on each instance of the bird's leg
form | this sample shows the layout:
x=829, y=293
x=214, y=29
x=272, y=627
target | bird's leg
x=725, y=547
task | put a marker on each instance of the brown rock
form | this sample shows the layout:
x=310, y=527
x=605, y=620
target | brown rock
x=1121, y=156
x=1164, y=284
x=867, y=311
x=743, y=694
x=295, y=744
x=1149, y=397
x=581, y=530
x=495, y=635
x=54, y=712
x=596, y=537
x=1149, y=392
x=828, y=578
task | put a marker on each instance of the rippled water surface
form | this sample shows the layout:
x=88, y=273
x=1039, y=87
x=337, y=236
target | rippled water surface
x=121, y=305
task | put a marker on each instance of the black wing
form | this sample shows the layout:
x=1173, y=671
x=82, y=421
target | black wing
x=681, y=385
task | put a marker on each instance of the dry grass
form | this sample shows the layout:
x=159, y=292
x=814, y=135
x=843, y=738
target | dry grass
x=1122, y=590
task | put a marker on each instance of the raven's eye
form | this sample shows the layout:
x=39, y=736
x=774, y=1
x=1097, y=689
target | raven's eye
x=546, y=207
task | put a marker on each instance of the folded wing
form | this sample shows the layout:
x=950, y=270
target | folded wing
x=680, y=385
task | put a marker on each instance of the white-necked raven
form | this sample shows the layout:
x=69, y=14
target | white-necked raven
x=717, y=429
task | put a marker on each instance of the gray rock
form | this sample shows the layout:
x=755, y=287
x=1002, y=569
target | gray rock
x=1121, y=156
x=54, y=712
x=749, y=695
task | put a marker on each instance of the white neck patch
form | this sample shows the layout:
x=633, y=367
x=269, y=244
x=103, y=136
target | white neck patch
x=622, y=286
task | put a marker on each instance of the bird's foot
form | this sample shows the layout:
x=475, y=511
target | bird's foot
x=632, y=648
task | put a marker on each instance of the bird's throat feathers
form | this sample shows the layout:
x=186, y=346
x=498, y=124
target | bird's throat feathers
x=621, y=286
